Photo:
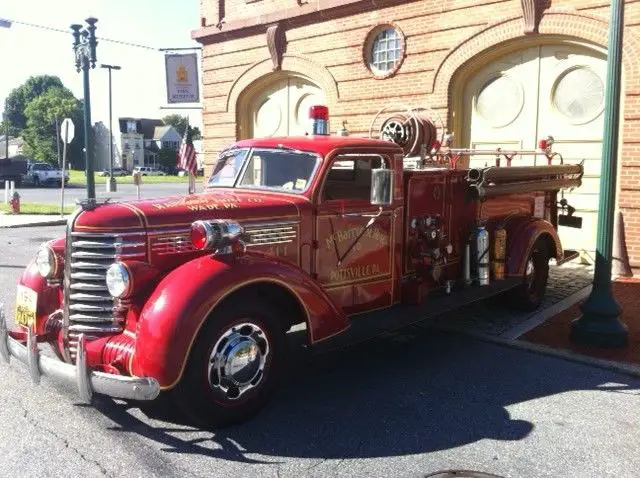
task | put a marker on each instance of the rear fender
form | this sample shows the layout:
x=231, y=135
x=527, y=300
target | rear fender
x=181, y=303
x=522, y=235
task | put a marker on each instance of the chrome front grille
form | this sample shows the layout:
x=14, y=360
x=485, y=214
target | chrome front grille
x=268, y=234
x=91, y=309
x=176, y=243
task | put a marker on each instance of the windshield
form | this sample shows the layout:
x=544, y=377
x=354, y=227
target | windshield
x=265, y=168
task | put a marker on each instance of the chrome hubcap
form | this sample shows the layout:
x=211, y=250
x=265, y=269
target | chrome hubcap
x=237, y=361
x=530, y=273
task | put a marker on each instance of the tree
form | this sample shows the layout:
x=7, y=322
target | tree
x=180, y=124
x=19, y=98
x=40, y=131
x=168, y=158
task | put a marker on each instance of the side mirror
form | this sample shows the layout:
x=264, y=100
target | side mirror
x=381, y=187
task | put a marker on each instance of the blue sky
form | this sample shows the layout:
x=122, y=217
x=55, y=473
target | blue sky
x=139, y=89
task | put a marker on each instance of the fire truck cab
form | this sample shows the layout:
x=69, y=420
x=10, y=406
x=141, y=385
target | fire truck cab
x=189, y=298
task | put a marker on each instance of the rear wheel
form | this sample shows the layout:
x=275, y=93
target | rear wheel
x=234, y=365
x=530, y=294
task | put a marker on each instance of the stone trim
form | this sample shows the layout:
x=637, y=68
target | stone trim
x=556, y=23
x=297, y=65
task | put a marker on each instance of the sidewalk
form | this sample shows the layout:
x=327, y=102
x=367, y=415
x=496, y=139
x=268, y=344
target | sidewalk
x=30, y=220
x=555, y=332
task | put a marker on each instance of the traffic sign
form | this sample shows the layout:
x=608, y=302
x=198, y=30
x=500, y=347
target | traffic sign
x=67, y=130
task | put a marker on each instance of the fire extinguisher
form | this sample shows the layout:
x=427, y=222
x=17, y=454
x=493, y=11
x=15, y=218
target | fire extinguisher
x=15, y=203
x=482, y=251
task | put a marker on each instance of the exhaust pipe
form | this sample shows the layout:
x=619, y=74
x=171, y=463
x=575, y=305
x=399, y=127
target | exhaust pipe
x=474, y=175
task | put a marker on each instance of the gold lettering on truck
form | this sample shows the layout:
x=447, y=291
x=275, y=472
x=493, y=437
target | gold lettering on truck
x=351, y=234
x=354, y=273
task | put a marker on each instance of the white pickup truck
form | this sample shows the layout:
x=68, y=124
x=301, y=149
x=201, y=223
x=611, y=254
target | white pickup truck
x=43, y=174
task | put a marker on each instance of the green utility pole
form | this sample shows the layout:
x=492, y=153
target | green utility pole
x=84, y=46
x=600, y=323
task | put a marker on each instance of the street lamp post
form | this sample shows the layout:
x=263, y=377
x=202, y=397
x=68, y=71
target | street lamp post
x=111, y=183
x=600, y=323
x=5, y=118
x=84, y=46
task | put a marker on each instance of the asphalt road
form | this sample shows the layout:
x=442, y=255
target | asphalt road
x=405, y=405
x=124, y=192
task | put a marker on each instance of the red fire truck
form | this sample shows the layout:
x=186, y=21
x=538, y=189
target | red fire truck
x=188, y=298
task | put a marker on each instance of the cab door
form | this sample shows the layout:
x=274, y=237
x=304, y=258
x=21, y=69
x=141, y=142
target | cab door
x=353, y=262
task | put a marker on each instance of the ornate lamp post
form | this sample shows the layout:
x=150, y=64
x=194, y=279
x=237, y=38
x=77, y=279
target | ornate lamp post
x=84, y=46
x=600, y=324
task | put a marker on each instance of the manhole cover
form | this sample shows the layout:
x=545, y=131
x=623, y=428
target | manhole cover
x=461, y=474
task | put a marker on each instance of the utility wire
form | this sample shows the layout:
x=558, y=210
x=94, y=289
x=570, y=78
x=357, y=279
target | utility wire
x=120, y=42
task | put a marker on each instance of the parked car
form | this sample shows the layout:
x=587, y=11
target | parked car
x=116, y=172
x=148, y=171
x=43, y=174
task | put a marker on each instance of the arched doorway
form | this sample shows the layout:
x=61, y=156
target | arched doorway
x=548, y=89
x=278, y=107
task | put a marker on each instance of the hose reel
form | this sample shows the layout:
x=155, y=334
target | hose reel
x=410, y=129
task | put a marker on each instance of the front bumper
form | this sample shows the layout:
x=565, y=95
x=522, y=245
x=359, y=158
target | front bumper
x=87, y=381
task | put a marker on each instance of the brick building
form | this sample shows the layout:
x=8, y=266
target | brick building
x=502, y=73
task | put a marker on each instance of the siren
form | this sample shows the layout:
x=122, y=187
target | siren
x=319, y=116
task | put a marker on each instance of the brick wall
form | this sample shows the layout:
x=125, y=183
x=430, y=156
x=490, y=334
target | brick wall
x=440, y=37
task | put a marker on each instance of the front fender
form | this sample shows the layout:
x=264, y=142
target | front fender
x=49, y=298
x=522, y=235
x=182, y=301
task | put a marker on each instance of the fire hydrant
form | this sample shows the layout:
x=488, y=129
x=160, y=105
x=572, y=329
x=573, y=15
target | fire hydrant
x=15, y=203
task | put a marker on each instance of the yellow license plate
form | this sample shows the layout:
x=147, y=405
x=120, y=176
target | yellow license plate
x=26, y=303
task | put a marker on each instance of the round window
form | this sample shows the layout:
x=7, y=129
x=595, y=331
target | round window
x=500, y=101
x=384, y=50
x=579, y=94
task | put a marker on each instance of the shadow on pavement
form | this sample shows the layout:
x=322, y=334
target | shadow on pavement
x=417, y=392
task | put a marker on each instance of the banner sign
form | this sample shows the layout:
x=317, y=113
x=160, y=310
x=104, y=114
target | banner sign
x=182, y=78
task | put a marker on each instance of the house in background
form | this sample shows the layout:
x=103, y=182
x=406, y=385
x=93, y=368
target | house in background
x=16, y=147
x=101, y=135
x=165, y=136
x=142, y=138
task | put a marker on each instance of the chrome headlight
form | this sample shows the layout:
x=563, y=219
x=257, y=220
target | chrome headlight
x=118, y=280
x=46, y=262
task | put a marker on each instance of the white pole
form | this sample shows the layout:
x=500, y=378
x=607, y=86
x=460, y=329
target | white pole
x=12, y=185
x=64, y=165
x=6, y=192
x=192, y=183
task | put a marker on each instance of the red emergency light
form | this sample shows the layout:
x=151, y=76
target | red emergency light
x=319, y=116
x=545, y=143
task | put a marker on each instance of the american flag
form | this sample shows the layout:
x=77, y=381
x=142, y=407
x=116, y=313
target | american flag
x=187, y=153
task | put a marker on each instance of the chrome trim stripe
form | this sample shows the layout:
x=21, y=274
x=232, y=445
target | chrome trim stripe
x=106, y=234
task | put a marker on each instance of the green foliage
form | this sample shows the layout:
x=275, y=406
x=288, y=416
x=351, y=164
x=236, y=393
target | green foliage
x=20, y=97
x=40, y=132
x=180, y=124
x=167, y=157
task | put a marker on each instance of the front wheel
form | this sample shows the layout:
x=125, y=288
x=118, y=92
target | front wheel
x=234, y=365
x=529, y=295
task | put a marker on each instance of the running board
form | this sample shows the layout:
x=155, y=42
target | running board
x=370, y=325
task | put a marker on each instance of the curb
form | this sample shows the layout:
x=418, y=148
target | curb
x=625, y=368
x=545, y=314
x=53, y=222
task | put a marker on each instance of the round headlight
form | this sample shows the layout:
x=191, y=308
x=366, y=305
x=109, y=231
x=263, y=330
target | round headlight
x=118, y=280
x=46, y=262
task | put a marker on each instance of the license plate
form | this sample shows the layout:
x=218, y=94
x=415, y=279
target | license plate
x=26, y=303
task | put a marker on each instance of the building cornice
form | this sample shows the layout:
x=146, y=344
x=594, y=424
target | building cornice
x=302, y=13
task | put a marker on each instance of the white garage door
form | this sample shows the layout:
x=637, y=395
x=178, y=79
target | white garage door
x=283, y=108
x=545, y=90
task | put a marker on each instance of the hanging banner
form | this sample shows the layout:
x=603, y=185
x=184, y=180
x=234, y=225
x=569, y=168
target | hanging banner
x=182, y=78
